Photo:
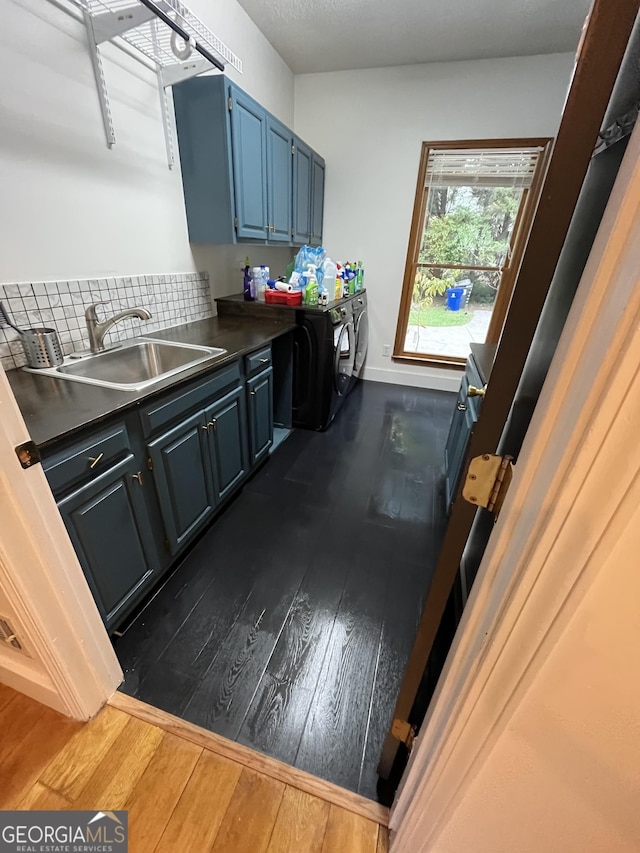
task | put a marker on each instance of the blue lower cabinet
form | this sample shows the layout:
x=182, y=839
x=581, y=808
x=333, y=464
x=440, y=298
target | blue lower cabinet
x=109, y=527
x=462, y=424
x=130, y=493
x=227, y=428
x=260, y=397
x=182, y=474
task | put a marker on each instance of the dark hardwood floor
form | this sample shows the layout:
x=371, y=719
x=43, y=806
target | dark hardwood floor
x=288, y=626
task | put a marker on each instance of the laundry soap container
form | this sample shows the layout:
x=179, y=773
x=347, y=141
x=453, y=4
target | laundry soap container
x=311, y=290
x=329, y=275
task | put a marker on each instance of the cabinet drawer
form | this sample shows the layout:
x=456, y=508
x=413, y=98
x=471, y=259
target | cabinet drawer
x=170, y=408
x=257, y=361
x=86, y=458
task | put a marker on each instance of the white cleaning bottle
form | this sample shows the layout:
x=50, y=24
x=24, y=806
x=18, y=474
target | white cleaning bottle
x=329, y=273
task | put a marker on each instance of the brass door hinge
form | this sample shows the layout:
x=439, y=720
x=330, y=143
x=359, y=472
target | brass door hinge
x=487, y=481
x=149, y=463
x=404, y=732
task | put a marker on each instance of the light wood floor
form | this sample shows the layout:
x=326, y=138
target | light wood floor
x=180, y=792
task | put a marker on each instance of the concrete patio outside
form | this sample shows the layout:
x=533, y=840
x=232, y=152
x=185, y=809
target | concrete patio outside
x=449, y=340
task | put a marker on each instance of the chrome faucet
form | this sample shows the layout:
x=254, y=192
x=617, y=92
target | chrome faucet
x=98, y=330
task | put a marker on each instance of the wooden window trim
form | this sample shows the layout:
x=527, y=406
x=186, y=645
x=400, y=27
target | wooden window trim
x=520, y=235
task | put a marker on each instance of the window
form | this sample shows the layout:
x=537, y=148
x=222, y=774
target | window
x=472, y=214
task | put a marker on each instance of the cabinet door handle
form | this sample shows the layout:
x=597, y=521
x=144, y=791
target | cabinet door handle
x=213, y=423
x=461, y=407
x=206, y=427
x=95, y=459
x=264, y=361
x=137, y=477
x=476, y=392
x=253, y=393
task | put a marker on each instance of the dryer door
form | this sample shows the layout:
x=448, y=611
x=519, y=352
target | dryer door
x=362, y=341
x=344, y=356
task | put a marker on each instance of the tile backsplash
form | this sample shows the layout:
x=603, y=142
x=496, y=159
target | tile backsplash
x=170, y=299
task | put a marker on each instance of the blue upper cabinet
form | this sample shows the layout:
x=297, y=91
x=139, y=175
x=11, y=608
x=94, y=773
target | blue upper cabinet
x=203, y=125
x=308, y=195
x=249, y=144
x=279, y=181
x=317, y=199
x=241, y=182
x=301, y=192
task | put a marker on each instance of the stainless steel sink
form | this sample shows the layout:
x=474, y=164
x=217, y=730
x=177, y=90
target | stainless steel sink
x=134, y=365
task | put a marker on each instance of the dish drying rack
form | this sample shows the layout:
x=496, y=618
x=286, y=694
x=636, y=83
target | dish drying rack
x=165, y=33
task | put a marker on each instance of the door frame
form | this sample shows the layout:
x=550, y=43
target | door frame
x=574, y=491
x=598, y=59
x=70, y=664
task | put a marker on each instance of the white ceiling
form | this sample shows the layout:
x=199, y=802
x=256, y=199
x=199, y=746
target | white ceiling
x=334, y=35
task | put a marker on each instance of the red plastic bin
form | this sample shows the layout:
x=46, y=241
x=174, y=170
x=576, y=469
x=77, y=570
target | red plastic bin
x=279, y=297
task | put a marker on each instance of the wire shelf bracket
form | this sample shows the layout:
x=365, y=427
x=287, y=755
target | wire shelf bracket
x=165, y=36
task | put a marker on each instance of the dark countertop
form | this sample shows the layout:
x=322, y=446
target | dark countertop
x=484, y=355
x=237, y=299
x=56, y=408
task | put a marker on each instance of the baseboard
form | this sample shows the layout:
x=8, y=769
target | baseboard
x=435, y=378
x=313, y=785
x=25, y=678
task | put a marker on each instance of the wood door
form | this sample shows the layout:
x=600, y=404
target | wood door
x=279, y=181
x=227, y=441
x=248, y=140
x=108, y=524
x=182, y=475
x=599, y=57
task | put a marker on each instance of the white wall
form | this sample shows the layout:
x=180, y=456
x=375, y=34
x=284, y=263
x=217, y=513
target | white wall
x=71, y=208
x=369, y=126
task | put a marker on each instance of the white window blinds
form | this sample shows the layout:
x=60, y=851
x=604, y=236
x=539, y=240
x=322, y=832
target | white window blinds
x=489, y=167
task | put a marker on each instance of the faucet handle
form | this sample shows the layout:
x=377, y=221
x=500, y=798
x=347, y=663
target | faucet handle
x=90, y=310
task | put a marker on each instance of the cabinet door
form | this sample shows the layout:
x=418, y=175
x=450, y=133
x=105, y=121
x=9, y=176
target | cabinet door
x=260, y=390
x=248, y=140
x=301, y=193
x=108, y=524
x=182, y=475
x=227, y=441
x=317, y=199
x=279, y=180
x=457, y=441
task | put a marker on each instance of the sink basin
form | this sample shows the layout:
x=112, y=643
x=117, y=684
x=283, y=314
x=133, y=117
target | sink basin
x=134, y=365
